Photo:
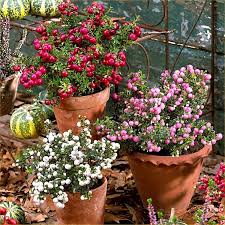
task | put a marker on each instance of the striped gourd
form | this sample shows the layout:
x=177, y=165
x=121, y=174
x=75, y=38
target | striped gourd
x=14, y=211
x=28, y=121
x=45, y=8
x=14, y=9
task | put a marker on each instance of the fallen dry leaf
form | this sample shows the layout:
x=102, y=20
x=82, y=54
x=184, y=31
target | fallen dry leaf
x=35, y=217
x=109, y=218
x=137, y=215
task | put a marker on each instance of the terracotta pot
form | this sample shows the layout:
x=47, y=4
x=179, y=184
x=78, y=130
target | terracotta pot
x=91, y=106
x=8, y=90
x=78, y=211
x=169, y=181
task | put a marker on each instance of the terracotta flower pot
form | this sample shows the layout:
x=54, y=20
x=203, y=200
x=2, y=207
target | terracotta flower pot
x=169, y=181
x=8, y=90
x=79, y=211
x=91, y=106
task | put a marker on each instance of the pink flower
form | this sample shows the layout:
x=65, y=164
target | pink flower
x=136, y=139
x=219, y=136
x=203, y=142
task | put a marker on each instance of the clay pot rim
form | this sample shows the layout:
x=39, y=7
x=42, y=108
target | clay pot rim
x=169, y=160
x=63, y=104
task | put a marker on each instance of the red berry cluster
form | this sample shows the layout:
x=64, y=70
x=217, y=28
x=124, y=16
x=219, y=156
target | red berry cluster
x=135, y=34
x=91, y=58
x=67, y=8
x=214, y=187
x=32, y=77
x=7, y=220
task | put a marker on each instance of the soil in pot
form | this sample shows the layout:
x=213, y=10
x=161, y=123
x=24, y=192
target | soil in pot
x=8, y=90
x=91, y=106
x=169, y=181
x=79, y=211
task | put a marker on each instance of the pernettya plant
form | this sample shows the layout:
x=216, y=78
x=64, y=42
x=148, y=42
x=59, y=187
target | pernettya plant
x=68, y=163
x=9, y=60
x=163, y=119
x=80, y=55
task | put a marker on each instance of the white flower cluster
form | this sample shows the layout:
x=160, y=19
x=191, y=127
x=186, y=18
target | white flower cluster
x=69, y=163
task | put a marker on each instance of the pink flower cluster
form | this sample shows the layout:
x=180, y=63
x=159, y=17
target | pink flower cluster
x=166, y=118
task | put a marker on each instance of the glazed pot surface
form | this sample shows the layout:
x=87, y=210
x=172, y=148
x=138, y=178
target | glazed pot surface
x=169, y=181
x=79, y=211
x=91, y=106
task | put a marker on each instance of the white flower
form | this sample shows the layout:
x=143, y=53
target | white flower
x=31, y=152
x=47, y=121
x=49, y=176
x=55, y=173
x=82, y=197
x=51, y=137
x=68, y=181
x=55, y=200
x=76, y=162
x=45, y=140
x=75, y=138
x=50, y=185
x=71, y=142
x=60, y=205
x=100, y=176
x=87, y=122
x=78, y=124
x=45, y=158
x=63, y=182
x=40, y=188
x=68, y=166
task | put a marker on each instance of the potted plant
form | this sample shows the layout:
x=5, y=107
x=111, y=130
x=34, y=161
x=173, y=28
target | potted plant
x=167, y=140
x=77, y=60
x=68, y=169
x=9, y=69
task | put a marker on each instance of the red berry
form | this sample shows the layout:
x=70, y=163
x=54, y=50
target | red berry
x=39, y=30
x=93, y=85
x=132, y=37
x=65, y=73
x=39, y=82
x=78, y=40
x=55, y=32
x=111, y=62
x=47, y=102
x=11, y=221
x=63, y=37
x=33, y=77
x=92, y=40
x=37, y=46
x=42, y=69
x=3, y=211
x=112, y=32
x=117, y=64
x=106, y=33
x=27, y=85
x=90, y=10
x=83, y=30
x=123, y=63
x=52, y=59
x=87, y=37
x=16, y=68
